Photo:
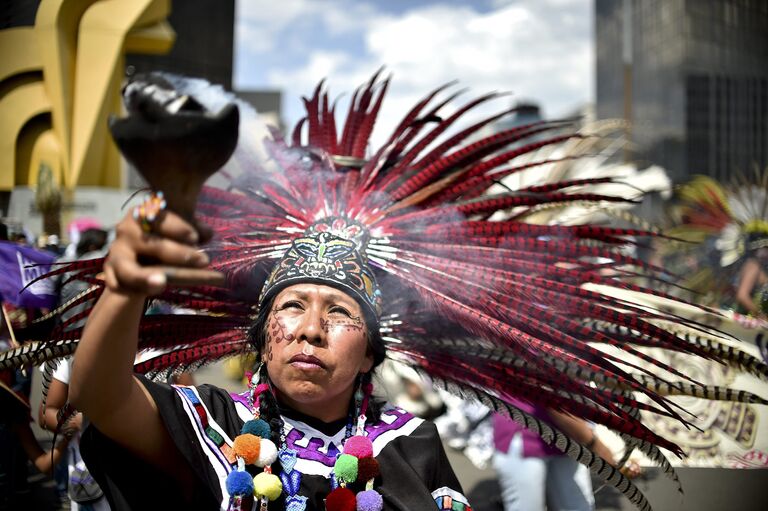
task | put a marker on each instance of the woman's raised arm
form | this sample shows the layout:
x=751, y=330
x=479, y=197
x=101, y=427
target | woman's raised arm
x=749, y=276
x=103, y=385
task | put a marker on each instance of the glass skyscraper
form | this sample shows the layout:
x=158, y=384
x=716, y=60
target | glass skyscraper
x=691, y=76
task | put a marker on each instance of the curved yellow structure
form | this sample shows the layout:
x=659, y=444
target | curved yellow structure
x=59, y=82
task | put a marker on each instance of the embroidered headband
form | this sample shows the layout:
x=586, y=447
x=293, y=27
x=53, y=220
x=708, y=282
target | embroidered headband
x=321, y=257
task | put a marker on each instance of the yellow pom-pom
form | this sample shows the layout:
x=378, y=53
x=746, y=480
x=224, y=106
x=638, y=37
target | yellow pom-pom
x=247, y=446
x=267, y=485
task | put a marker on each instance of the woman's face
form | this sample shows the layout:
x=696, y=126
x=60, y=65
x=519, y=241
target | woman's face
x=316, y=345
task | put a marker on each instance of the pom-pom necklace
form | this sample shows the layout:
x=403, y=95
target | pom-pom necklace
x=253, y=446
x=356, y=464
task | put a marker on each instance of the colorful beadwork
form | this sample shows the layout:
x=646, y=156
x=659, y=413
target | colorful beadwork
x=291, y=478
x=147, y=213
x=448, y=499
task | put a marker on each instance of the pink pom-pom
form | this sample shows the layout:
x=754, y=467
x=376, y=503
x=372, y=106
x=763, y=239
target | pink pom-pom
x=359, y=446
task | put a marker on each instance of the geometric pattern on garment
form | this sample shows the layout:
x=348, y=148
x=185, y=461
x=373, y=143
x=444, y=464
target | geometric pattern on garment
x=210, y=436
x=316, y=452
x=446, y=498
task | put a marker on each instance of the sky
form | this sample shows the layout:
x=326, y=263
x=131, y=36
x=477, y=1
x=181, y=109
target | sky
x=539, y=50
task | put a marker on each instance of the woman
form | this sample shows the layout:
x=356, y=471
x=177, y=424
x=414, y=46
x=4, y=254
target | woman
x=339, y=252
x=318, y=340
x=752, y=280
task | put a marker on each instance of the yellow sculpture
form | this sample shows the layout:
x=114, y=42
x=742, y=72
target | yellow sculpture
x=61, y=80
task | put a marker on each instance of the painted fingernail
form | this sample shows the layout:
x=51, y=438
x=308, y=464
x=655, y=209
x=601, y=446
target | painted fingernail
x=157, y=280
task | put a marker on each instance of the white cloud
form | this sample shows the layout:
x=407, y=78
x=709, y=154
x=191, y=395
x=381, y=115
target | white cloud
x=265, y=25
x=259, y=23
x=321, y=64
x=538, y=49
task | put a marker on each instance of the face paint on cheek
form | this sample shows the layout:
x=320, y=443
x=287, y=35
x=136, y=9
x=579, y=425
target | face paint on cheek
x=268, y=347
x=278, y=331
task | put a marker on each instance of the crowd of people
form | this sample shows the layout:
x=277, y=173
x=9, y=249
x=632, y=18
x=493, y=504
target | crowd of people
x=19, y=443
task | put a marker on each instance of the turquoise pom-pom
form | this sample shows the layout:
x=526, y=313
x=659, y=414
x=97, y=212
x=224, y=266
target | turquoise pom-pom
x=239, y=483
x=345, y=468
x=257, y=427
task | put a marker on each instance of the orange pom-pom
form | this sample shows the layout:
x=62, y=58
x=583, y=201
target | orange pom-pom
x=247, y=446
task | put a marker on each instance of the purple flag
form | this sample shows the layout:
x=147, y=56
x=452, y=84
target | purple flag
x=20, y=265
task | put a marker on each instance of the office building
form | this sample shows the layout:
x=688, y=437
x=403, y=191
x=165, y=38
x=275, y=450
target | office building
x=691, y=76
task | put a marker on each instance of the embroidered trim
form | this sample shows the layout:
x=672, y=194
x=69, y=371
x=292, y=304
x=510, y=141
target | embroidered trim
x=202, y=416
x=317, y=452
x=202, y=426
x=446, y=498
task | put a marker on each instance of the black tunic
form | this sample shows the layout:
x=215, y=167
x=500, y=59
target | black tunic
x=203, y=420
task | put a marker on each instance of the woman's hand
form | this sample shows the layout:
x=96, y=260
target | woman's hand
x=145, y=263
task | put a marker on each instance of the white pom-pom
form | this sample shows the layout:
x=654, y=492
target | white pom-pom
x=267, y=453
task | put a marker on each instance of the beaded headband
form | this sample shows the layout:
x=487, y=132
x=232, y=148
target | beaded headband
x=322, y=257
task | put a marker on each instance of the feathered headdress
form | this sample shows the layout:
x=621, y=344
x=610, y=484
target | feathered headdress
x=490, y=310
x=719, y=226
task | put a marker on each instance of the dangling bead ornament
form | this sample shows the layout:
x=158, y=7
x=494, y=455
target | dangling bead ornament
x=290, y=477
x=254, y=447
x=356, y=464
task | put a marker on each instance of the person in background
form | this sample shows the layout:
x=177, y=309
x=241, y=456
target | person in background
x=19, y=445
x=91, y=244
x=752, y=281
x=535, y=476
x=81, y=489
x=403, y=387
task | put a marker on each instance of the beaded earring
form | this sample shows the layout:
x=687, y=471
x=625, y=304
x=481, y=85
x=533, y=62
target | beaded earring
x=253, y=446
x=356, y=464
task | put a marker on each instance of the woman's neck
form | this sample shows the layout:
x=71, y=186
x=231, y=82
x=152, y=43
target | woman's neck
x=331, y=411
